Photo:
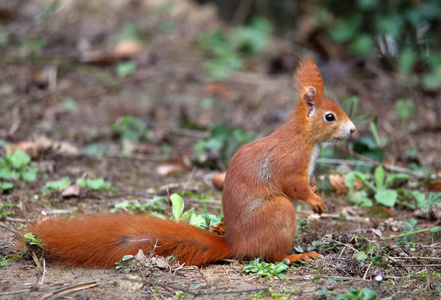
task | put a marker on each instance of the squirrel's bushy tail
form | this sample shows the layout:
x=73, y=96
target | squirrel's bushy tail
x=101, y=240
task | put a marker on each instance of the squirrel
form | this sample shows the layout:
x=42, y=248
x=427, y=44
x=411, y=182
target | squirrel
x=262, y=179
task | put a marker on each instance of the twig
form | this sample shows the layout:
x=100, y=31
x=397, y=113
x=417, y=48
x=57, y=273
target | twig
x=44, y=273
x=413, y=232
x=419, y=258
x=63, y=292
x=201, y=293
x=335, y=216
x=367, y=270
x=12, y=230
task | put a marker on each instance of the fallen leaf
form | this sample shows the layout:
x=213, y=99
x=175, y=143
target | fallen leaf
x=338, y=182
x=71, y=191
x=27, y=147
x=178, y=165
x=127, y=49
x=218, y=229
x=217, y=88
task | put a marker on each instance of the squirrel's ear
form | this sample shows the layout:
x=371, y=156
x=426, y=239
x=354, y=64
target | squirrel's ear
x=309, y=99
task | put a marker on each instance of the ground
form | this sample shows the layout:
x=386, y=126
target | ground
x=63, y=98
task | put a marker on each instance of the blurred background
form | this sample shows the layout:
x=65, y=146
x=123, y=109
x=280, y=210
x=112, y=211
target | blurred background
x=185, y=83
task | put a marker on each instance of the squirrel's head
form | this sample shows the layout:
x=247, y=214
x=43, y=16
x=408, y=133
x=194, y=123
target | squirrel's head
x=325, y=120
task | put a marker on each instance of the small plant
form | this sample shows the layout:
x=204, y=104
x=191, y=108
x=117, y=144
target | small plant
x=202, y=221
x=4, y=210
x=379, y=187
x=222, y=143
x=57, y=185
x=15, y=166
x=409, y=225
x=125, y=263
x=95, y=184
x=227, y=52
x=33, y=240
x=363, y=294
x=265, y=269
x=132, y=130
x=4, y=261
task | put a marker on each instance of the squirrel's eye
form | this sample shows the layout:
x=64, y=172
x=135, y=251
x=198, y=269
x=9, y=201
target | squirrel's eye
x=329, y=117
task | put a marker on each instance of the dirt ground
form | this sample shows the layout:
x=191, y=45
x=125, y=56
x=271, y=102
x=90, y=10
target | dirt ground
x=168, y=89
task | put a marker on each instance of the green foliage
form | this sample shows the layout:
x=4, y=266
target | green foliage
x=130, y=32
x=203, y=221
x=125, y=263
x=363, y=294
x=33, y=240
x=95, y=184
x=378, y=186
x=405, y=108
x=132, y=128
x=15, y=166
x=4, y=261
x=405, y=32
x=222, y=144
x=4, y=210
x=409, y=225
x=433, y=201
x=125, y=68
x=229, y=51
x=58, y=185
x=264, y=269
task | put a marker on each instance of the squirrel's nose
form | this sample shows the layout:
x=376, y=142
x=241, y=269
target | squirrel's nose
x=352, y=130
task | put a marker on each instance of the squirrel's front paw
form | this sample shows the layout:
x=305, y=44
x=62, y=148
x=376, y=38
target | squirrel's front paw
x=314, y=187
x=317, y=204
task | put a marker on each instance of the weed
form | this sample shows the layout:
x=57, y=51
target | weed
x=265, y=269
x=95, y=184
x=222, y=143
x=4, y=210
x=33, y=240
x=377, y=185
x=125, y=263
x=4, y=261
x=15, y=166
x=227, y=52
x=57, y=185
x=363, y=294
x=157, y=204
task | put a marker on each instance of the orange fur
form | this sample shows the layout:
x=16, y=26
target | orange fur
x=262, y=180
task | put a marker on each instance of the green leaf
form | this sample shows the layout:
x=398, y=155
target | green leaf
x=360, y=198
x=18, y=159
x=407, y=59
x=386, y=197
x=125, y=68
x=58, y=184
x=392, y=177
x=420, y=198
x=9, y=174
x=29, y=175
x=4, y=186
x=187, y=214
x=177, y=206
x=405, y=108
x=379, y=177
x=361, y=255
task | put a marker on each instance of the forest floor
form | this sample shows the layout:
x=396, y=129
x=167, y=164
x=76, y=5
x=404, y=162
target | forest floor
x=64, y=82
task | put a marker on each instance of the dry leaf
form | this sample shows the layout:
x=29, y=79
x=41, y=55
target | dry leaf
x=178, y=165
x=217, y=88
x=28, y=147
x=127, y=49
x=71, y=191
x=98, y=57
x=218, y=229
x=338, y=182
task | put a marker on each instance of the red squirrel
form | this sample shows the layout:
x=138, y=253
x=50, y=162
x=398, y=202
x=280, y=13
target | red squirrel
x=262, y=179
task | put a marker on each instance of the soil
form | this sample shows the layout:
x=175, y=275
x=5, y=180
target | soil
x=172, y=94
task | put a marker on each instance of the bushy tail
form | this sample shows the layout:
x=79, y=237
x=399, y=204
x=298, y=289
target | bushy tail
x=101, y=240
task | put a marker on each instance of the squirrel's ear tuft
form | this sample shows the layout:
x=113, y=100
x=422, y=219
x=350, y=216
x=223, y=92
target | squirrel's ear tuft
x=307, y=76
